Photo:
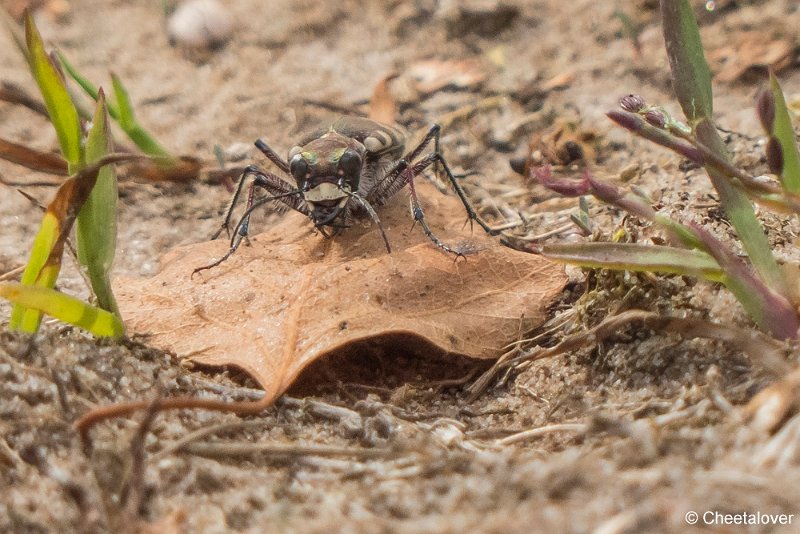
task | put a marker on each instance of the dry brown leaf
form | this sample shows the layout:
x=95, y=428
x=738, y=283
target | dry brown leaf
x=774, y=404
x=382, y=107
x=183, y=169
x=292, y=296
x=33, y=159
x=560, y=81
x=432, y=75
x=753, y=50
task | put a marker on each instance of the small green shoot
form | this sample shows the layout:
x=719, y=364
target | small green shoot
x=88, y=195
x=762, y=289
x=59, y=105
x=44, y=263
x=691, y=80
x=131, y=126
x=96, y=225
x=783, y=155
x=121, y=112
x=65, y=308
x=637, y=257
x=40, y=270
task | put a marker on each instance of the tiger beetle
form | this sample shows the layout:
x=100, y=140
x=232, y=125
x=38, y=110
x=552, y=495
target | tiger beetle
x=343, y=171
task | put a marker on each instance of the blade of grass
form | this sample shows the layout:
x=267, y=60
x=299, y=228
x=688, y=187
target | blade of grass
x=59, y=105
x=96, y=224
x=637, y=257
x=65, y=308
x=23, y=318
x=783, y=131
x=88, y=87
x=691, y=79
x=131, y=127
x=121, y=112
x=771, y=311
x=44, y=263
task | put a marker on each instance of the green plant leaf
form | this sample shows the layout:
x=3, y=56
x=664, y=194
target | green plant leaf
x=783, y=131
x=88, y=87
x=37, y=271
x=691, y=80
x=637, y=257
x=59, y=105
x=63, y=307
x=131, y=127
x=44, y=263
x=770, y=310
x=96, y=224
x=122, y=112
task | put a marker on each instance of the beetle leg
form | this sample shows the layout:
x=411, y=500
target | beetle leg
x=240, y=231
x=419, y=217
x=278, y=190
x=249, y=170
x=405, y=170
x=399, y=176
x=273, y=184
x=437, y=157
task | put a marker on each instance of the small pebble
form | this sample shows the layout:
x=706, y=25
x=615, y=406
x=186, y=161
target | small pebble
x=238, y=151
x=200, y=24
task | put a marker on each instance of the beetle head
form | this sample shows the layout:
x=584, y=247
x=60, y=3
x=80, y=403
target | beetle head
x=327, y=170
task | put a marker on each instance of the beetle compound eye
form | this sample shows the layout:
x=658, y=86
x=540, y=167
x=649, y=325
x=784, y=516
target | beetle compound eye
x=350, y=163
x=299, y=168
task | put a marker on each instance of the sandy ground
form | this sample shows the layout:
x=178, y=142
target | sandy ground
x=651, y=427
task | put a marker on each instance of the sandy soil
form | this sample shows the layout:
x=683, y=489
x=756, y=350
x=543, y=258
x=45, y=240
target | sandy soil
x=651, y=427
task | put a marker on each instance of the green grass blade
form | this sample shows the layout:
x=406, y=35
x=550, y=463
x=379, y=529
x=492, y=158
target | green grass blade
x=122, y=113
x=126, y=118
x=691, y=79
x=770, y=310
x=637, y=257
x=59, y=105
x=48, y=245
x=65, y=308
x=88, y=87
x=783, y=131
x=131, y=127
x=22, y=318
x=96, y=224
x=740, y=211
